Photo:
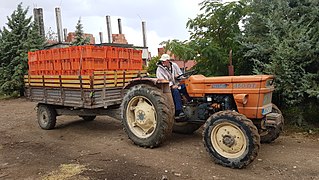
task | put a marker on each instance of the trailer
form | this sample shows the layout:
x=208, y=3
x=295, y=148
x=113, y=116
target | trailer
x=83, y=81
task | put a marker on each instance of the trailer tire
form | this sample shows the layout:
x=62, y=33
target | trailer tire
x=231, y=139
x=146, y=116
x=88, y=118
x=46, y=116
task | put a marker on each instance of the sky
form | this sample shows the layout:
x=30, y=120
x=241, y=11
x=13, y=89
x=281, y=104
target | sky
x=165, y=19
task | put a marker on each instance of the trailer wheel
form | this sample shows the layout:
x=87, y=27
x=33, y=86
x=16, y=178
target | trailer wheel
x=272, y=133
x=146, y=116
x=88, y=118
x=231, y=139
x=46, y=116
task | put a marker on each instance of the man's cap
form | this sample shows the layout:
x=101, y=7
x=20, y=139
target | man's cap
x=165, y=57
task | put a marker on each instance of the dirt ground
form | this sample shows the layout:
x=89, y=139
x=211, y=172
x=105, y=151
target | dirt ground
x=100, y=149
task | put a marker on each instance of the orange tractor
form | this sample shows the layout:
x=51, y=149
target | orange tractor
x=236, y=111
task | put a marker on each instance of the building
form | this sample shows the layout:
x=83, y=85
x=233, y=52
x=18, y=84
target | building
x=71, y=37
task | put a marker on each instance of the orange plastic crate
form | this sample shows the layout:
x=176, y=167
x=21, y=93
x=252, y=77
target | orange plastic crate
x=124, y=53
x=97, y=52
x=65, y=53
x=113, y=64
x=100, y=64
x=75, y=52
x=124, y=64
x=87, y=64
x=55, y=54
x=66, y=65
x=32, y=56
x=48, y=54
x=33, y=65
x=137, y=54
x=57, y=65
x=111, y=52
x=136, y=65
x=49, y=65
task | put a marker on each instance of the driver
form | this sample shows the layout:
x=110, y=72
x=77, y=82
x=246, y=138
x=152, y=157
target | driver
x=169, y=71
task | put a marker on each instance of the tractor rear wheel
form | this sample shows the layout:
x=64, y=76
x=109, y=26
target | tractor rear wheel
x=231, y=139
x=185, y=127
x=146, y=115
x=272, y=133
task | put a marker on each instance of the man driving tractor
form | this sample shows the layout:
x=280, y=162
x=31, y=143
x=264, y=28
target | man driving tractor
x=170, y=71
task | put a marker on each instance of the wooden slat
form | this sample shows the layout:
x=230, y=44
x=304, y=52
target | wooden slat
x=58, y=85
x=111, y=81
x=113, y=76
x=58, y=81
x=107, y=76
x=56, y=77
x=107, y=85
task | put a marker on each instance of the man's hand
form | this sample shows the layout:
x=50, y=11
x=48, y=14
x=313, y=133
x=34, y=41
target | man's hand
x=174, y=87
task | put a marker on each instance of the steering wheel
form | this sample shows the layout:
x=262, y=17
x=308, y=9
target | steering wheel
x=186, y=75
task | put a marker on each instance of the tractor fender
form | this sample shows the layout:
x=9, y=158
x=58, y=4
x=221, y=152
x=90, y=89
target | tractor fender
x=155, y=82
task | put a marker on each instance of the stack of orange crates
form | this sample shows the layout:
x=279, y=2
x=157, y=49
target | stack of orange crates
x=84, y=60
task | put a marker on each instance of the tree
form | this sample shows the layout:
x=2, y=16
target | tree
x=79, y=35
x=213, y=35
x=16, y=40
x=151, y=69
x=51, y=36
x=181, y=49
x=281, y=39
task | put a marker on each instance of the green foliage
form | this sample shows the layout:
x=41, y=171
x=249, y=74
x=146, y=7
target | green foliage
x=213, y=35
x=79, y=35
x=281, y=38
x=182, y=49
x=20, y=36
x=152, y=65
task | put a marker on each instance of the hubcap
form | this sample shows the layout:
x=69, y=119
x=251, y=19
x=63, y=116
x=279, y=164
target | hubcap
x=44, y=118
x=141, y=116
x=228, y=140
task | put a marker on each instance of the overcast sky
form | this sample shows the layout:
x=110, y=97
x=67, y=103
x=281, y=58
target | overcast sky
x=165, y=19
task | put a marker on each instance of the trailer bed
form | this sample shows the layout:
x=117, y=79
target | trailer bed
x=100, y=90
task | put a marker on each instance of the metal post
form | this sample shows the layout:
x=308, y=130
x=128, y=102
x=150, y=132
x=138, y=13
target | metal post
x=144, y=34
x=65, y=33
x=120, y=25
x=59, y=23
x=231, y=67
x=38, y=19
x=109, y=28
x=101, y=37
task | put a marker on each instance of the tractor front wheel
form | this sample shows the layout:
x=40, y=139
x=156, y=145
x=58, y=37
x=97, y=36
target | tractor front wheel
x=231, y=139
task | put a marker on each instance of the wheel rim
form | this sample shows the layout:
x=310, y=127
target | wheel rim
x=44, y=118
x=228, y=140
x=141, y=116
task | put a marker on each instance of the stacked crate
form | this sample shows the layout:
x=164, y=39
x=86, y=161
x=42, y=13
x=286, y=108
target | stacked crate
x=83, y=60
